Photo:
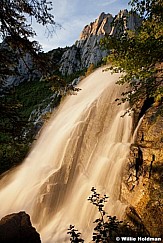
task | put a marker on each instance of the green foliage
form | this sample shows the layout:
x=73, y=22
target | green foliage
x=60, y=85
x=16, y=107
x=30, y=95
x=11, y=154
x=90, y=69
x=71, y=77
x=138, y=54
x=14, y=16
x=13, y=146
x=148, y=8
x=17, y=104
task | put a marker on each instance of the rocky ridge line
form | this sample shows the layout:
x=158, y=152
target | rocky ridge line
x=87, y=49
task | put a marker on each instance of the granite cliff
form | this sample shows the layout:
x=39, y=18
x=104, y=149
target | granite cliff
x=142, y=187
x=87, y=49
x=21, y=67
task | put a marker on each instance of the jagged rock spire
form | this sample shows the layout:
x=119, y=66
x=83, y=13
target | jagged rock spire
x=101, y=26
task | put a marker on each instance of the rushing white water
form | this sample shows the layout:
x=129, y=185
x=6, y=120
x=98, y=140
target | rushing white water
x=85, y=144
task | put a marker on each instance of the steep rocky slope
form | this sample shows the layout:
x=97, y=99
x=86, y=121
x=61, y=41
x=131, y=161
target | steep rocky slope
x=23, y=67
x=142, y=183
x=87, y=49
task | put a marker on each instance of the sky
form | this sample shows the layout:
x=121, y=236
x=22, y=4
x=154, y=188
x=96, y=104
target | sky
x=73, y=15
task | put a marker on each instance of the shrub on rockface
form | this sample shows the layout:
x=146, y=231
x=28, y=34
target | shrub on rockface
x=90, y=69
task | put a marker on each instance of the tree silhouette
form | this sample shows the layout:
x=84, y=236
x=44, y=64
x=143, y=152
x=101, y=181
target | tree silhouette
x=16, y=17
x=106, y=226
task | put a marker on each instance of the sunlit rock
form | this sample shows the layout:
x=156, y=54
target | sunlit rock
x=87, y=49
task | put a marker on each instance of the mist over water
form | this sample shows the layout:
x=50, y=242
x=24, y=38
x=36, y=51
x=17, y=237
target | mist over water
x=85, y=144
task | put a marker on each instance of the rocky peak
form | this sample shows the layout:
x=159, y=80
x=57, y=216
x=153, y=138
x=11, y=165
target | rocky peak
x=87, y=49
x=106, y=24
x=100, y=26
x=130, y=21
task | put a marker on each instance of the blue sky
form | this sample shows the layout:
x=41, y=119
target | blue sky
x=73, y=15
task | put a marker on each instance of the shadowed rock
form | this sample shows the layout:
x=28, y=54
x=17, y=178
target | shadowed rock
x=17, y=228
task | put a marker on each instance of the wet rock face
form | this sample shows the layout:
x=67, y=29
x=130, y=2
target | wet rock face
x=142, y=182
x=87, y=49
x=17, y=228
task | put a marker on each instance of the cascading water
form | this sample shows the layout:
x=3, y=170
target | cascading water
x=85, y=144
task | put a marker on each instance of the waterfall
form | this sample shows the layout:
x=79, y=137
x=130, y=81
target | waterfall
x=85, y=144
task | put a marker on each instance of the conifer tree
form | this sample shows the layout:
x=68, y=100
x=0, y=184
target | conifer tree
x=16, y=17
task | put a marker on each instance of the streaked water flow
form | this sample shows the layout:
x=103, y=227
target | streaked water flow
x=85, y=144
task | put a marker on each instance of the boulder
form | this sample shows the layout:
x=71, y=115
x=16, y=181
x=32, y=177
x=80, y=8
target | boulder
x=17, y=228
